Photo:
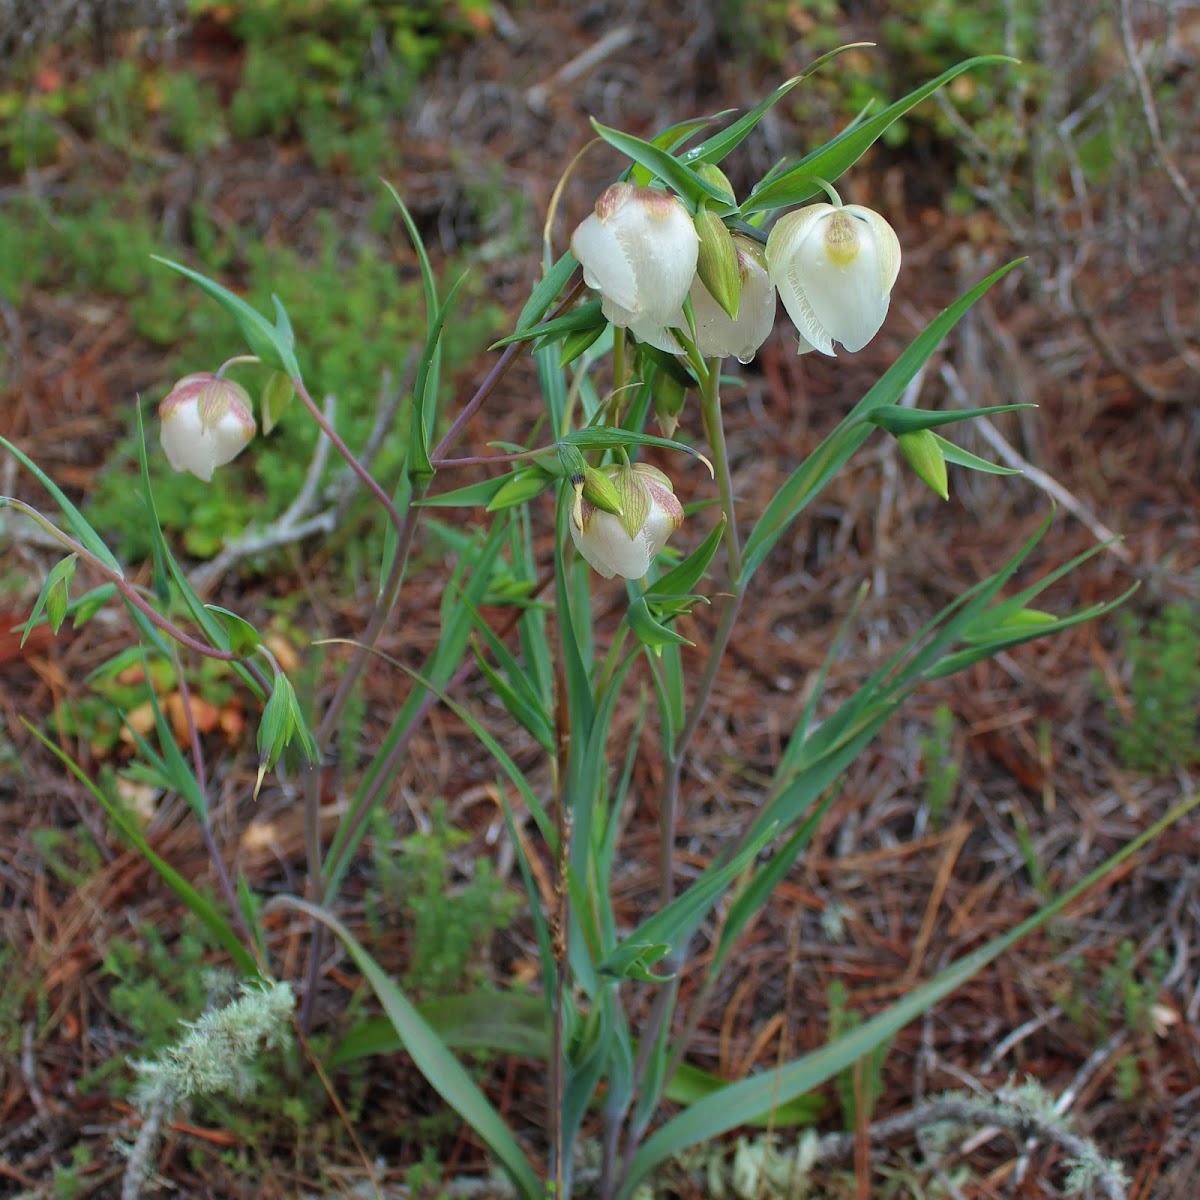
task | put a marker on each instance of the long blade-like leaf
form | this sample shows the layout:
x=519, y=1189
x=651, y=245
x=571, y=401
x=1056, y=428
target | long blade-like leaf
x=444, y=1072
x=742, y=1102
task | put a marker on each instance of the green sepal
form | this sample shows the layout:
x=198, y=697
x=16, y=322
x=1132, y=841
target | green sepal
x=272, y=344
x=964, y=458
x=650, y=632
x=717, y=264
x=713, y=174
x=599, y=490
x=276, y=396
x=282, y=722
x=896, y=420
x=244, y=639
x=924, y=455
x=53, y=597
x=473, y=496
x=573, y=462
x=633, y=497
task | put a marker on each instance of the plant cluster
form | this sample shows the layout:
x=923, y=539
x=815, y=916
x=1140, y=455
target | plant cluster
x=686, y=275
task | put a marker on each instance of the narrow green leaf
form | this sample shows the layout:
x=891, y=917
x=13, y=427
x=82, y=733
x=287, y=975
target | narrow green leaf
x=682, y=578
x=964, y=458
x=651, y=633
x=547, y=291
x=739, y=1103
x=721, y=144
x=474, y=495
x=520, y=487
x=78, y=526
x=682, y=180
x=200, y=906
x=810, y=477
x=585, y=317
x=605, y=437
x=432, y=1057
x=683, y=914
x=263, y=339
x=836, y=157
x=504, y=1022
x=899, y=421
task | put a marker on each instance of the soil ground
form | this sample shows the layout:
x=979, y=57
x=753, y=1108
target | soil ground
x=891, y=891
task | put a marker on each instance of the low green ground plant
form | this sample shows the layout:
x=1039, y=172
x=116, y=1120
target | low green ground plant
x=1159, y=726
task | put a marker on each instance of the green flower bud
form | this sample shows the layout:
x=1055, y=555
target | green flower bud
x=717, y=265
x=926, y=459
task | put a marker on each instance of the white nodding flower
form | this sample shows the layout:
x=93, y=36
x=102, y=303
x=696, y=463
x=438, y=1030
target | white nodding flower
x=638, y=250
x=834, y=268
x=720, y=335
x=628, y=544
x=205, y=423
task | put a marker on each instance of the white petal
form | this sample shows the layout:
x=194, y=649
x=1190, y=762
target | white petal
x=666, y=259
x=609, y=549
x=648, y=331
x=666, y=515
x=887, y=244
x=184, y=442
x=846, y=300
x=718, y=335
x=606, y=264
x=788, y=253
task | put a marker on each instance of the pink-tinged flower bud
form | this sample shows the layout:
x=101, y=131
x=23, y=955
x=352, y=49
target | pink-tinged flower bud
x=834, y=268
x=626, y=545
x=638, y=250
x=205, y=423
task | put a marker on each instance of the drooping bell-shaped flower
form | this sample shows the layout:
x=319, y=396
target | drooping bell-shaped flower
x=205, y=423
x=626, y=545
x=834, y=268
x=717, y=333
x=638, y=250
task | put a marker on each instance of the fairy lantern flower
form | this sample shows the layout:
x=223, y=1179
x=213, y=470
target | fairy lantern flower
x=638, y=249
x=834, y=266
x=626, y=545
x=720, y=335
x=205, y=422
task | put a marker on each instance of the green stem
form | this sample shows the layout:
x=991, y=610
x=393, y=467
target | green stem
x=664, y=1000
